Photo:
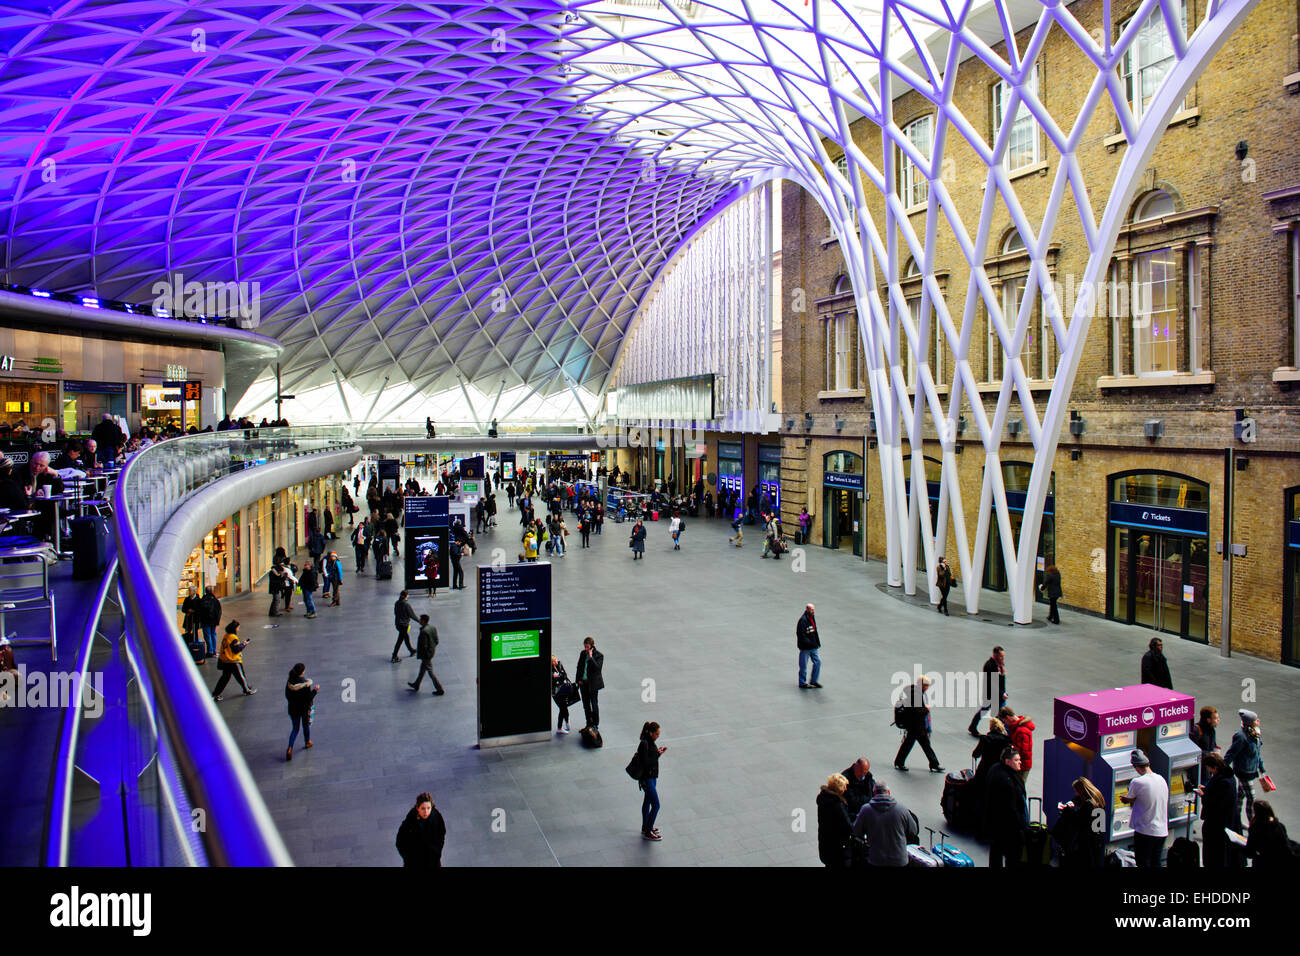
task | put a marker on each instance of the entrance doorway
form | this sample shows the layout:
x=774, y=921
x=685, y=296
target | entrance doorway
x=842, y=519
x=1159, y=553
x=1161, y=580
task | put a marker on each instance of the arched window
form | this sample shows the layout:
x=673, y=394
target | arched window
x=841, y=285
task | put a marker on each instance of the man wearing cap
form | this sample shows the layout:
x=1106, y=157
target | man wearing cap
x=1148, y=794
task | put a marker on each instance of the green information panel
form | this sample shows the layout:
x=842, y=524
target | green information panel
x=512, y=645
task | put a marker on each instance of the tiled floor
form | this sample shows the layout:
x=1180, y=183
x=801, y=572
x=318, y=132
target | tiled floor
x=713, y=628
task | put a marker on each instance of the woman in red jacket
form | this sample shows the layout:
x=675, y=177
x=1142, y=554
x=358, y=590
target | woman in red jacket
x=1021, y=730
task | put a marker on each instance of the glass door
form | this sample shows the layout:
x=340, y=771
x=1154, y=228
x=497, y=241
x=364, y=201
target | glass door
x=842, y=519
x=1168, y=581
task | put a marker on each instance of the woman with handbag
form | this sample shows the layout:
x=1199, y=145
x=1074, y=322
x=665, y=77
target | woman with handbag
x=648, y=754
x=637, y=542
x=563, y=692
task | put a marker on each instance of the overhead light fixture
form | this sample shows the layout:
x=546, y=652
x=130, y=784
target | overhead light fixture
x=1077, y=424
x=807, y=422
x=90, y=303
x=1153, y=427
x=1014, y=426
x=961, y=424
x=839, y=424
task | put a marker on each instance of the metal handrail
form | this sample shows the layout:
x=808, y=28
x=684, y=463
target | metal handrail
x=58, y=812
x=212, y=771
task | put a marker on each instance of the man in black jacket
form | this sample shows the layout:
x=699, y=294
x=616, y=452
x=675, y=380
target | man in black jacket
x=108, y=438
x=809, y=643
x=1006, y=811
x=916, y=726
x=1155, y=668
x=994, y=672
x=403, y=615
x=209, y=615
x=591, y=663
x=861, y=785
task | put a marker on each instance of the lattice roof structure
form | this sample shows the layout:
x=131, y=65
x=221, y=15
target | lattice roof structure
x=412, y=185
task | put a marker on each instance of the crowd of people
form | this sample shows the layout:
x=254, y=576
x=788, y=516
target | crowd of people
x=993, y=805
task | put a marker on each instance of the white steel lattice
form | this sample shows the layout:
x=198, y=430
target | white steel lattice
x=710, y=312
x=770, y=88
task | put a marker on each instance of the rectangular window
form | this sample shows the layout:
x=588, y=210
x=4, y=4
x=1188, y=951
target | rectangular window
x=830, y=357
x=993, y=365
x=1023, y=144
x=1193, y=308
x=1012, y=290
x=904, y=346
x=842, y=346
x=1149, y=59
x=842, y=164
x=1295, y=299
x=915, y=187
x=1116, y=337
x=1155, y=313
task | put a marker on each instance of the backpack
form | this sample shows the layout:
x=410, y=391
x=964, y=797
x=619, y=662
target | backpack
x=681, y=525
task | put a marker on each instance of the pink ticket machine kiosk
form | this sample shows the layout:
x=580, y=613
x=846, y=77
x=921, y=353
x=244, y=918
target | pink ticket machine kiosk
x=1094, y=734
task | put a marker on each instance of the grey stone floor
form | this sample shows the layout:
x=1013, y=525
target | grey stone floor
x=713, y=628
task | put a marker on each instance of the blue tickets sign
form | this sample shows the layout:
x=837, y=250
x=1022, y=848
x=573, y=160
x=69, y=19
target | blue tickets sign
x=1160, y=518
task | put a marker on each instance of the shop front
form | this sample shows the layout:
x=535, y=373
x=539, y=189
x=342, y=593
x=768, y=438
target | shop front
x=1159, y=547
x=843, y=492
x=1291, y=585
x=86, y=403
x=177, y=404
x=731, y=470
x=769, y=477
x=1015, y=481
x=29, y=401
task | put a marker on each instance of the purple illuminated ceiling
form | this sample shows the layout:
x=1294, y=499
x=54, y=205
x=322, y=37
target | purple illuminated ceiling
x=409, y=183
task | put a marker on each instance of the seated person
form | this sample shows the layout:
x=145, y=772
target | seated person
x=40, y=482
x=71, y=458
x=12, y=494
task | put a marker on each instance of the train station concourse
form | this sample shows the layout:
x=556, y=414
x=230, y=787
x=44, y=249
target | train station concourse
x=652, y=433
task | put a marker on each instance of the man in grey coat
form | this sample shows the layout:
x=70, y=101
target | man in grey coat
x=888, y=827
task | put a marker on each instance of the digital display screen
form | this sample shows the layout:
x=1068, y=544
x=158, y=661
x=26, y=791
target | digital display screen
x=512, y=645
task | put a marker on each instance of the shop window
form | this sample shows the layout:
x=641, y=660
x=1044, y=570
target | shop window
x=1161, y=489
x=1149, y=58
x=913, y=185
x=1024, y=139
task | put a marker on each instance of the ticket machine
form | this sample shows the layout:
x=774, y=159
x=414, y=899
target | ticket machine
x=1094, y=735
x=1178, y=759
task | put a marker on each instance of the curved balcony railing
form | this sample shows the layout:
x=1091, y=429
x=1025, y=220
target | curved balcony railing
x=187, y=796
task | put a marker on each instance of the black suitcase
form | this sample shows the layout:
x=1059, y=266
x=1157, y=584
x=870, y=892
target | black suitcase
x=958, y=800
x=384, y=568
x=198, y=651
x=89, y=547
x=1183, y=855
x=1038, y=840
x=591, y=738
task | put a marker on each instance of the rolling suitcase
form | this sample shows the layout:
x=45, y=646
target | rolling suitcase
x=198, y=651
x=384, y=568
x=920, y=856
x=591, y=738
x=946, y=853
x=1038, y=840
x=89, y=547
x=958, y=800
